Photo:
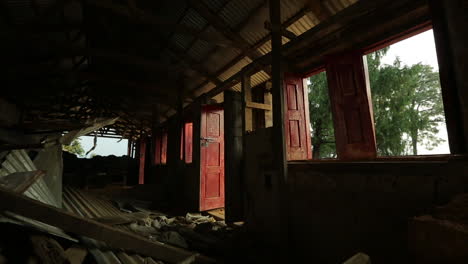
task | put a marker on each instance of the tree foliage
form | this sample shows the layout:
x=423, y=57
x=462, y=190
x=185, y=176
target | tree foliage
x=323, y=135
x=75, y=148
x=407, y=107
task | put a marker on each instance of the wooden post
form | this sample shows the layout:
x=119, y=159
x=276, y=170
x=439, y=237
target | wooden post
x=233, y=152
x=247, y=98
x=277, y=91
x=267, y=99
x=142, y=160
x=279, y=144
x=129, y=148
x=154, y=134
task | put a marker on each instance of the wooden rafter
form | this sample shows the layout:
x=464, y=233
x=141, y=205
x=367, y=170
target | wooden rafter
x=196, y=66
x=138, y=16
x=257, y=45
x=318, y=9
x=221, y=26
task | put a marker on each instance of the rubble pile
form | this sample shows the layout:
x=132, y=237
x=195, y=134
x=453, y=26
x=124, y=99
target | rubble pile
x=194, y=231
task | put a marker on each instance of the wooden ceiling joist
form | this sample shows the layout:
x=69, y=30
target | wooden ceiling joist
x=257, y=45
x=221, y=26
x=138, y=16
x=318, y=9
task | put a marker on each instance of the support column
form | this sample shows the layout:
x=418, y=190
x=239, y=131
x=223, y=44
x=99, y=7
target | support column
x=267, y=99
x=233, y=151
x=279, y=144
x=248, y=113
x=142, y=160
x=129, y=148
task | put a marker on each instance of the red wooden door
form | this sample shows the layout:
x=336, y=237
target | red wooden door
x=297, y=124
x=212, y=158
x=351, y=106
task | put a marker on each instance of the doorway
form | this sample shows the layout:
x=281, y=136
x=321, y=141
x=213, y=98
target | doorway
x=212, y=158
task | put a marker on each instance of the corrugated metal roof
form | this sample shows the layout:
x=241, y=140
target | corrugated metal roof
x=254, y=31
x=237, y=11
x=90, y=206
x=19, y=161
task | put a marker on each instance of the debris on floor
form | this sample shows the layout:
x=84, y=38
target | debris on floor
x=443, y=236
x=359, y=258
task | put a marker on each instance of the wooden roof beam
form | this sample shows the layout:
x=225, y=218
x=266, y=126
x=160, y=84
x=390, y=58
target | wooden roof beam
x=261, y=42
x=192, y=64
x=221, y=26
x=135, y=15
x=318, y=9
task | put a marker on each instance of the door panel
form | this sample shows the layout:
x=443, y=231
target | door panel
x=212, y=158
x=297, y=124
x=188, y=142
x=351, y=106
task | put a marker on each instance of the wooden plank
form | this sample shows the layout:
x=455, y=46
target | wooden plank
x=69, y=222
x=19, y=182
x=254, y=105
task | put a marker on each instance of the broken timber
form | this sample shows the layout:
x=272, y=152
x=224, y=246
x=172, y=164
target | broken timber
x=19, y=182
x=116, y=238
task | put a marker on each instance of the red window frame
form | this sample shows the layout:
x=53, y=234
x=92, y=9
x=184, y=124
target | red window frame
x=160, y=152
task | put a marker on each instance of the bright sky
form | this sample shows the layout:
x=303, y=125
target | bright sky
x=105, y=146
x=420, y=48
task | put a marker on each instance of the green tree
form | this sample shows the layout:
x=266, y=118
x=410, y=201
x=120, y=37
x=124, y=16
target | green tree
x=75, y=148
x=323, y=135
x=407, y=107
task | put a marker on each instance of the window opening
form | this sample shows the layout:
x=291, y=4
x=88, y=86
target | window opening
x=406, y=96
x=321, y=121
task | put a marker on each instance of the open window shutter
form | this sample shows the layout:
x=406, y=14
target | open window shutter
x=164, y=148
x=297, y=124
x=188, y=142
x=351, y=106
x=182, y=142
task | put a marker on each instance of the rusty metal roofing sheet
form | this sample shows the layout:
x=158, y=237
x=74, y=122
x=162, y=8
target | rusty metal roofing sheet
x=91, y=206
x=19, y=161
